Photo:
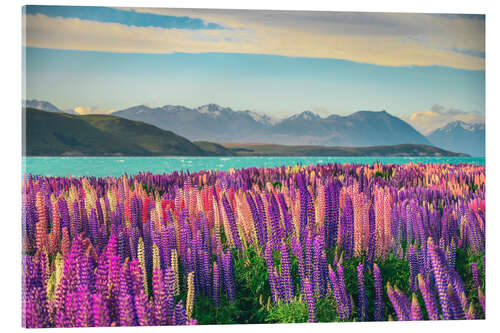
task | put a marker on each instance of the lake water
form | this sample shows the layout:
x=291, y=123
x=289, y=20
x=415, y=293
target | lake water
x=116, y=166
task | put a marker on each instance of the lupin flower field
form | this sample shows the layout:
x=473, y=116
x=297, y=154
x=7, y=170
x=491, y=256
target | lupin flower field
x=319, y=243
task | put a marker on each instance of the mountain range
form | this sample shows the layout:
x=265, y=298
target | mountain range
x=63, y=134
x=214, y=123
x=221, y=124
x=460, y=136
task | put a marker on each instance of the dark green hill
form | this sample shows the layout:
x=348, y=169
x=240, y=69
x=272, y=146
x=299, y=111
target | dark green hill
x=55, y=134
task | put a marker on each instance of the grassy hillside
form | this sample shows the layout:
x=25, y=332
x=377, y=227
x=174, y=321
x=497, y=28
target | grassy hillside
x=54, y=134
x=267, y=149
x=214, y=149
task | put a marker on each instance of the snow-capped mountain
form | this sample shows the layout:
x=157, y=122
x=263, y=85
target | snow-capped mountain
x=213, y=122
x=43, y=105
x=459, y=136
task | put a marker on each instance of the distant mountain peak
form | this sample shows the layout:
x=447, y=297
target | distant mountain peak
x=261, y=118
x=211, y=109
x=40, y=105
x=372, y=113
x=454, y=125
x=305, y=115
x=460, y=136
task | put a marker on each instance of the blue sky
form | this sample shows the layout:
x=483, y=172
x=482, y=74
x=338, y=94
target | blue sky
x=427, y=69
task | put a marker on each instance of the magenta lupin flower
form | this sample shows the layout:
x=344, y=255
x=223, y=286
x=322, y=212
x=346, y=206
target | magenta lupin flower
x=159, y=297
x=125, y=305
x=100, y=314
x=142, y=309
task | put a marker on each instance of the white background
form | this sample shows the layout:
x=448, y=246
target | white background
x=10, y=166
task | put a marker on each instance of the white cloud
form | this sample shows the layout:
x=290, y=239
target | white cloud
x=438, y=116
x=82, y=110
x=378, y=38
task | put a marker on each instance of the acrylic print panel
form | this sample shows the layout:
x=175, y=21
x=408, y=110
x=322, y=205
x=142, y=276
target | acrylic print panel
x=202, y=167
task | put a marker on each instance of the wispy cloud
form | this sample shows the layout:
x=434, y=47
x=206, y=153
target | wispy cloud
x=437, y=116
x=377, y=38
x=82, y=110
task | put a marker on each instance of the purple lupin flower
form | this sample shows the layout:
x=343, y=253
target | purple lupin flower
x=303, y=211
x=346, y=300
x=169, y=279
x=429, y=298
x=232, y=224
x=455, y=304
x=398, y=303
x=309, y=248
x=286, y=277
x=270, y=271
x=371, y=235
x=216, y=279
x=311, y=305
x=280, y=294
x=349, y=228
x=299, y=254
x=317, y=276
x=452, y=253
x=379, y=302
x=287, y=219
x=362, y=298
x=142, y=308
x=180, y=316
x=412, y=258
x=475, y=275
x=459, y=289
x=274, y=214
x=439, y=268
x=229, y=279
x=337, y=293
x=256, y=219
x=262, y=218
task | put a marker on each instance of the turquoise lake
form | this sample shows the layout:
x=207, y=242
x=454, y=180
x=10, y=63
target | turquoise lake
x=116, y=166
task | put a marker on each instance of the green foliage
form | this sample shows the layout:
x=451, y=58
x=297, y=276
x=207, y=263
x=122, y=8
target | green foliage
x=253, y=302
x=284, y=312
x=385, y=175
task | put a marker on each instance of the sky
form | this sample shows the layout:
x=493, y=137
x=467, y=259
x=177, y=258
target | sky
x=428, y=69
